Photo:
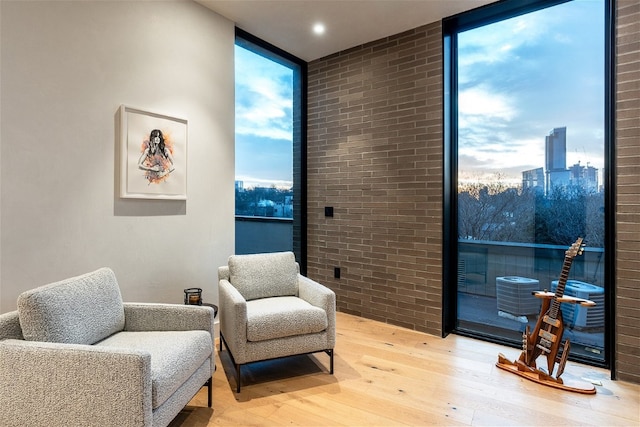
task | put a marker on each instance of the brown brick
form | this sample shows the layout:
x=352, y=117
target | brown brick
x=627, y=207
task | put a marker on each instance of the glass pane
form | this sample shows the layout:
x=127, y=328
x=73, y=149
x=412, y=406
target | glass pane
x=530, y=162
x=264, y=153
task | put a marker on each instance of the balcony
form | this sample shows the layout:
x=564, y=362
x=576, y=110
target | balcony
x=495, y=280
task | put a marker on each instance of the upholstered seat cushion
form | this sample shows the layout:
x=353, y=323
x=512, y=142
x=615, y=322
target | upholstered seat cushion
x=80, y=310
x=175, y=356
x=264, y=275
x=280, y=317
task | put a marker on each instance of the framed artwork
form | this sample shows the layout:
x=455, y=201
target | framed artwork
x=153, y=155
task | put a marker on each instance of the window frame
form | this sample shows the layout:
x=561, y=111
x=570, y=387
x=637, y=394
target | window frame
x=475, y=18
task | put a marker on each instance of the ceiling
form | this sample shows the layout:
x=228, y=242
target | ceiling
x=288, y=24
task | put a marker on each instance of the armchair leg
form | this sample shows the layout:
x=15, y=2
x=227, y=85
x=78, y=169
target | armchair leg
x=233, y=360
x=237, y=378
x=210, y=392
x=330, y=353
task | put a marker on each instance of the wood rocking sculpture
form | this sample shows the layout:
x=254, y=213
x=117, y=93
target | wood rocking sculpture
x=547, y=335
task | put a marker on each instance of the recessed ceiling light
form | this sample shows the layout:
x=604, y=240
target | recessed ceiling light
x=318, y=28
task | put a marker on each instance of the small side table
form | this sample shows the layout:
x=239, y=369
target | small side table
x=215, y=308
x=193, y=296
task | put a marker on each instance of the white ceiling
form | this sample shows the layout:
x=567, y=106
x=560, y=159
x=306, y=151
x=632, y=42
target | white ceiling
x=288, y=24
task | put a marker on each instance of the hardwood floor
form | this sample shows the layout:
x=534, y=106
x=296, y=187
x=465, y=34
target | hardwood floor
x=390, y=376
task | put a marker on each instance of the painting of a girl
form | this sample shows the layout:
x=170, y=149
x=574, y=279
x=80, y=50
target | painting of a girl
x=156, y=158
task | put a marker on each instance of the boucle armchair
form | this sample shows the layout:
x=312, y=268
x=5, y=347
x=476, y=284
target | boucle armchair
x=268, y=310
x=74, y=354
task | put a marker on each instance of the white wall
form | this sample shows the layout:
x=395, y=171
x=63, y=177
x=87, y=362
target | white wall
x=65, y=69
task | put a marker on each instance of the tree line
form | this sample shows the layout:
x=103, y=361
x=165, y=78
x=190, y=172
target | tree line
x=497, y=212
x=261, y=201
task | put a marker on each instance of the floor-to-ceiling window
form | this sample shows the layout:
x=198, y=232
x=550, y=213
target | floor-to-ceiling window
x=269, y=133
x=528, y=134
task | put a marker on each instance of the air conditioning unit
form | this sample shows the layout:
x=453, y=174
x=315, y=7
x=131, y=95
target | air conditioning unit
x=462, y=275
x=514, y=295
x=576, y=315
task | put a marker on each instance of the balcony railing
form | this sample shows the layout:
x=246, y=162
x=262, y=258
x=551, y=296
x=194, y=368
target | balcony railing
x=481, y=262
x=262, y=234
x=495, y=284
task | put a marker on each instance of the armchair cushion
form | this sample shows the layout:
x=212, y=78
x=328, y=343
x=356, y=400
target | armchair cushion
x=79, y=310
x=264, y=275
x=173, y=356
x=280, y=317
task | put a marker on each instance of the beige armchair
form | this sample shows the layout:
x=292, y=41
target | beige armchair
x=268, y=310
x=74, y=354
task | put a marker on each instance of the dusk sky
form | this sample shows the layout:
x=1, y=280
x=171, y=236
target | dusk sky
x=518, y=79
x=264, y=121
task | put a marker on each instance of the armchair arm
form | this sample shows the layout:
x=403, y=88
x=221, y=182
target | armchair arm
x=316, y=294
x=320, y=296
x=10, y=326
x=233, y=317
x=167, y=317
x=47, y=384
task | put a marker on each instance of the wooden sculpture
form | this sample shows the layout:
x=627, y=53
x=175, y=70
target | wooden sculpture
x=547, y=336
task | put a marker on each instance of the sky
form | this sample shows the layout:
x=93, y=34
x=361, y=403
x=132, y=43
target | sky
x=264, y=121
x=518, y=79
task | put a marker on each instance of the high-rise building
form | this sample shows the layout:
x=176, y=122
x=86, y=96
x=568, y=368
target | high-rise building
x=555, y=173
x=555, y=153
x=556, y=150
x=534, y=179
x=584, y=176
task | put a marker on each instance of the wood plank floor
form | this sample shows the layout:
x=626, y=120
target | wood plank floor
x=390, y=376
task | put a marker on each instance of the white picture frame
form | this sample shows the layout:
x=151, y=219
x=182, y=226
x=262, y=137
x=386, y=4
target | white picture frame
x=153, y=155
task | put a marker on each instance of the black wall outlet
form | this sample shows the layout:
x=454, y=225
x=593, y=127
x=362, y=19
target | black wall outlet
x=336, y=272
x=328, y=211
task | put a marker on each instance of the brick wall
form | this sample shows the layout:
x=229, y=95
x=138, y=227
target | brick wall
x=628, y=190
x=375, y=155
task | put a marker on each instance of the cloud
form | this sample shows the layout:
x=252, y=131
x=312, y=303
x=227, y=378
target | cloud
x=480, y=101
x=520, y=78
x=264, y=97
x=501, y=41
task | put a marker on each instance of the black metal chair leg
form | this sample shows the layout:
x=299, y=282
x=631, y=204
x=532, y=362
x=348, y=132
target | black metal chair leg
x=237, y=378
x=233, y=360
x=210, y=392
x=330, y=353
